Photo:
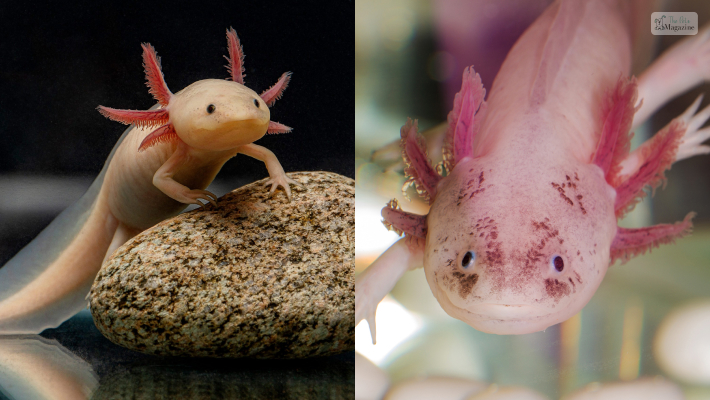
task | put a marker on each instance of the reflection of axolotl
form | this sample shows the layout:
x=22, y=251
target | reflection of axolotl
x=151, y=174
x=523, y=219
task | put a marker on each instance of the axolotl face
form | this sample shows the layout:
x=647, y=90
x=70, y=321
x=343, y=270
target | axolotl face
x=216, y=114
x=512, y=249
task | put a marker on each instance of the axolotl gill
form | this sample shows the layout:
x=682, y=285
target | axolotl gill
x=161, y=163
x=522, y=225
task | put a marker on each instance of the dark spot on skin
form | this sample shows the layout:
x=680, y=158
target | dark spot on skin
x=495, y=257
x=556, y=289
x=561, y=241
x=579, y=198
x=494, y=264
x=567, y=199
x=577, y=252
x=540, y=225
x=475, y=192
x=563, y=194
x=561, y=190
x=579, y=279
x=463, y=193
x=494, y=235
x=466, y=283
x=572, y=282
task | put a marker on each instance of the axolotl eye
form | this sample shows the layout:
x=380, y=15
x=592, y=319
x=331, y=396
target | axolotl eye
x=468, y=259
x=210, y=108
x=256, y=103
x=557, y=263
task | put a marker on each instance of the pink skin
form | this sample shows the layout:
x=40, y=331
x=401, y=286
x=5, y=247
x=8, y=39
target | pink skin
x=523, y=226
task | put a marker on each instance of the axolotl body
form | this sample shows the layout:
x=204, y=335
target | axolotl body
x=161, y=163
x=523, y=212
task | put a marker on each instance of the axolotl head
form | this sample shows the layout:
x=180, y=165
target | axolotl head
x=211, y=114
x=512, y=249
x=216, y=114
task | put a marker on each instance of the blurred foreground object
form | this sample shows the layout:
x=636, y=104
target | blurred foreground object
x=682, y=344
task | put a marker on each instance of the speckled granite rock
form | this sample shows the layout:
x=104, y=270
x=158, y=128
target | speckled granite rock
x=256, y=276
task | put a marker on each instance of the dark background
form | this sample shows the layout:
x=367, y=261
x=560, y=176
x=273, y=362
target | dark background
x=59, y=62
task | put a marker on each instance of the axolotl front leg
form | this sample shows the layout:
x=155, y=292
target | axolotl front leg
x=372, y=285
x=184, y=157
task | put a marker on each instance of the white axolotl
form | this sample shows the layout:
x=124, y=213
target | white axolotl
x=523, y=223
x=151, y=174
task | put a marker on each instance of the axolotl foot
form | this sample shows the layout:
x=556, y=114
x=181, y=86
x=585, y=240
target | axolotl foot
x=195, y=195
x=283, y=181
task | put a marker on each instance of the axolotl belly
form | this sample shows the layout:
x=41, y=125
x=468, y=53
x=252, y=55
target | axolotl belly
x=523, y=219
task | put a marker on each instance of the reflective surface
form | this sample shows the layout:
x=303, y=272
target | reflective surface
x=75, y=361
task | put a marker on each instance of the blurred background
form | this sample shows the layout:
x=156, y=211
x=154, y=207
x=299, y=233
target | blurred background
x=409, y=55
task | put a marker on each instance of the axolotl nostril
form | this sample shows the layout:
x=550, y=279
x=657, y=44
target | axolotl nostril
x=523, y=212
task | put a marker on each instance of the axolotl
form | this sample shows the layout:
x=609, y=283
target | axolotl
x=522, y=224
x=161, y=163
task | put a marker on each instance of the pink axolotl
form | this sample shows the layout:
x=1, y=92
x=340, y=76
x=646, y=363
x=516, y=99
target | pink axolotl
x=161, y=163
x=523, y=219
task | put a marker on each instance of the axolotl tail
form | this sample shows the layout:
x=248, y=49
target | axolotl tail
x=47, y=281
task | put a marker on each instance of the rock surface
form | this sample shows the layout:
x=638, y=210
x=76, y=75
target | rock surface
x=256, y=276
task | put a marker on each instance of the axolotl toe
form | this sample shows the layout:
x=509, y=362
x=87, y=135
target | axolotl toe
x=522, y=225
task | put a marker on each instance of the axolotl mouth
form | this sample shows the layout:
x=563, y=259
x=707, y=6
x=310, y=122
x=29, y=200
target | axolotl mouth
x=502, y=319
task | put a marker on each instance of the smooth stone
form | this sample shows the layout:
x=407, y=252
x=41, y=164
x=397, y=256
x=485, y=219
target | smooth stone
x=257, y=276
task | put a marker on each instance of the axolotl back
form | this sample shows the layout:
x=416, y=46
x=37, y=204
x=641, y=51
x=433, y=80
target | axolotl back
x=523, y=219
